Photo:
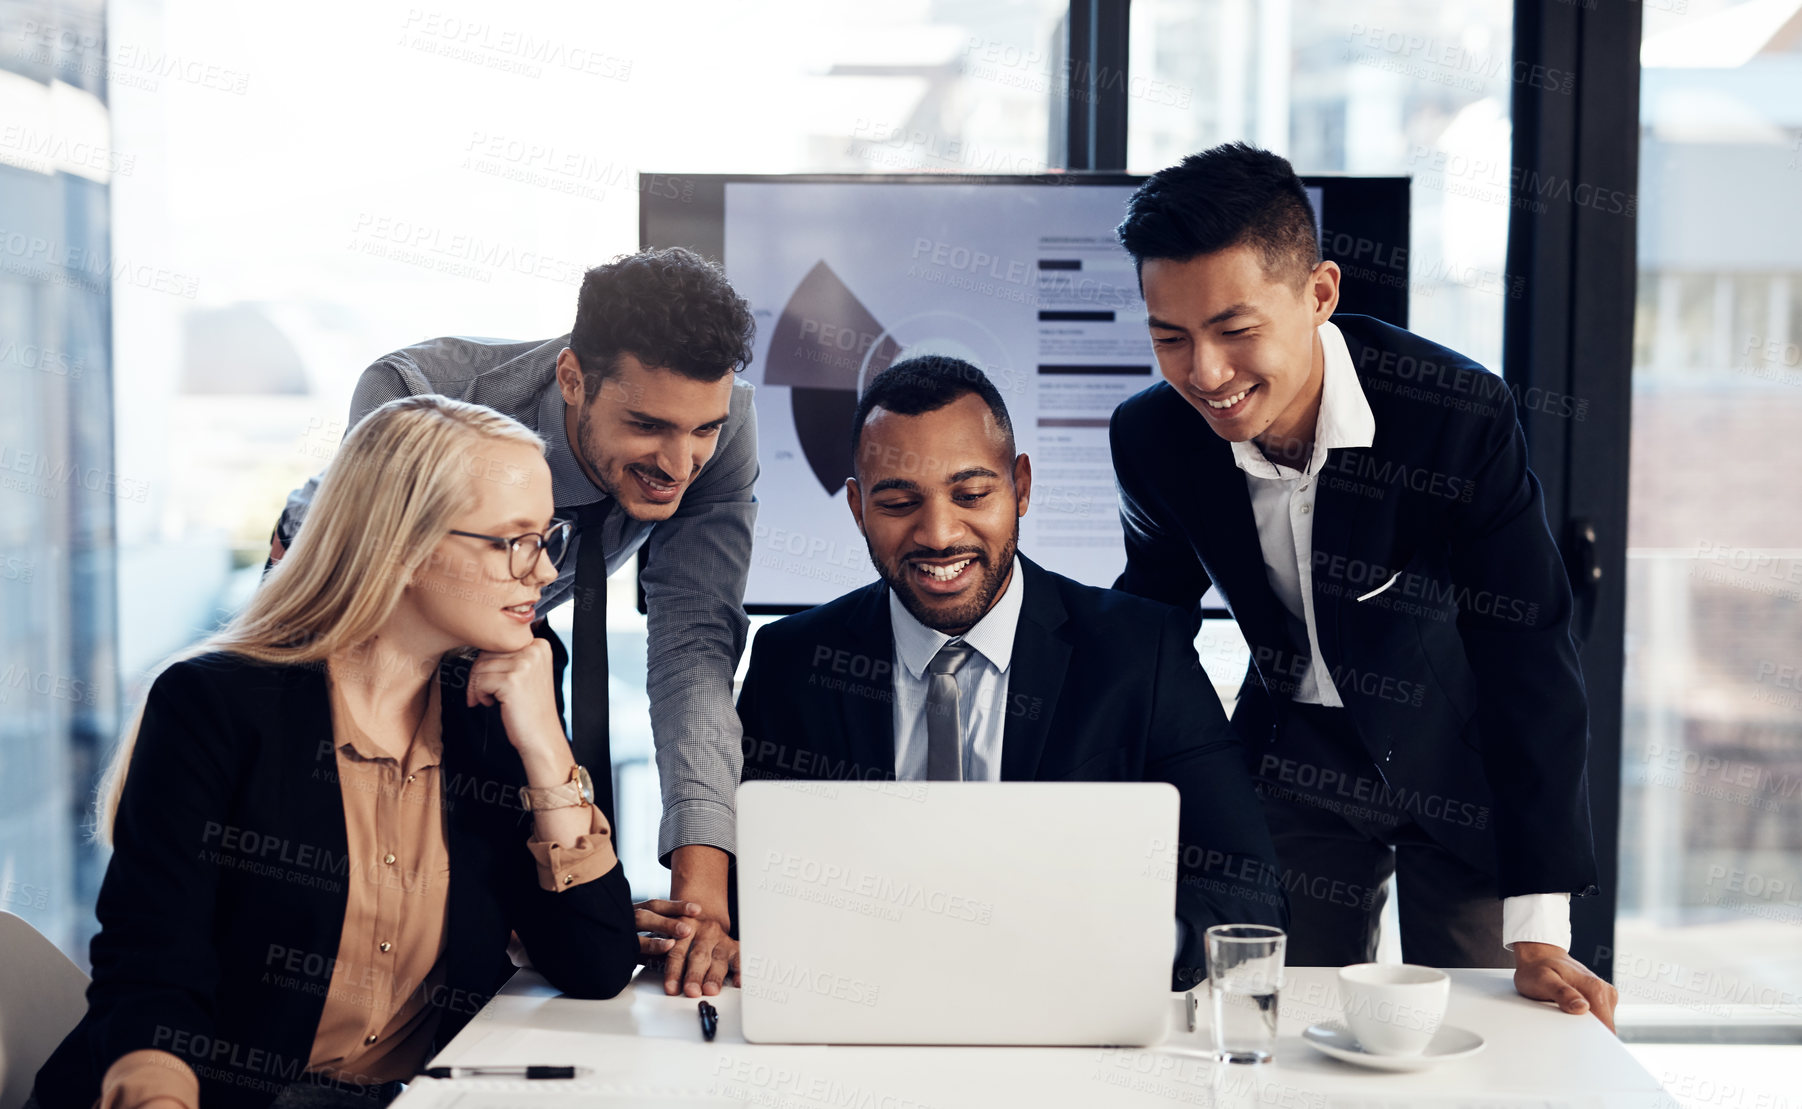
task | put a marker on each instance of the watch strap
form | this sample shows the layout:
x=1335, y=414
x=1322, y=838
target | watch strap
x=563, y=796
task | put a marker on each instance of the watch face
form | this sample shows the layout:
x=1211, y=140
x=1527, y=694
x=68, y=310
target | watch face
x=585, y=784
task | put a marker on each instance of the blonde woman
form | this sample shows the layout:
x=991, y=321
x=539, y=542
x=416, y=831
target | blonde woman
x=328, y=818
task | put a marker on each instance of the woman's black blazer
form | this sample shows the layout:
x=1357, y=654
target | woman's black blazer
x=222, y=905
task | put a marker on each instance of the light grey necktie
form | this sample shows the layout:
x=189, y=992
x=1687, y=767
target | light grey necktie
x=944, y=721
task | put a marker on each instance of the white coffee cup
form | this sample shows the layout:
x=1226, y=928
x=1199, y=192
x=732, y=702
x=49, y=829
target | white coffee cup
x=1394, y=1008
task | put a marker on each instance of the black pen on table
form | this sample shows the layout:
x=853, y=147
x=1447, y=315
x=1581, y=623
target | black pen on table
x=710, y=1021
x=531, y=1073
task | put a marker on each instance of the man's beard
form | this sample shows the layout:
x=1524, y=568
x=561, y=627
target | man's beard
x=603, y=477
x=966, y=613
x=598, y=472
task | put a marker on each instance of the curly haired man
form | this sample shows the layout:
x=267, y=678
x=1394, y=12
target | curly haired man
x=652, y=443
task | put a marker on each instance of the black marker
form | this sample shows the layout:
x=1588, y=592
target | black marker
x=710, y=1021
x=504, y=1072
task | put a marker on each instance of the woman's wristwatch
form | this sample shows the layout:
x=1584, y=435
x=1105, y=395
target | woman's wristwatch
x=578, y=791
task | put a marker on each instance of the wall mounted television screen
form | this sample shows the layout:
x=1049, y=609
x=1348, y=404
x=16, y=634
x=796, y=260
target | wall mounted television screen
x=1020, y=275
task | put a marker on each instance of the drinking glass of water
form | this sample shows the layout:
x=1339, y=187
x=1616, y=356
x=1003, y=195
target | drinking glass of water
x=1245, y=974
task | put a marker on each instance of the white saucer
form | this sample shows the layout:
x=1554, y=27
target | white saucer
x=1450, y=1043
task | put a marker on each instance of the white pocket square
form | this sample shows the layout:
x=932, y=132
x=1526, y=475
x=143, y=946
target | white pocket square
x=1380, y=588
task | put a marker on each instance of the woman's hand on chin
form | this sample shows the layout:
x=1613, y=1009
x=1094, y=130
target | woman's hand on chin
x=521, y=683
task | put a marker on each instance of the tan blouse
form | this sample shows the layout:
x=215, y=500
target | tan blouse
x=376, y=1025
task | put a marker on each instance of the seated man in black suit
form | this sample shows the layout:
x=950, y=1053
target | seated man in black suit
x=985, y=667
x=1361, y=498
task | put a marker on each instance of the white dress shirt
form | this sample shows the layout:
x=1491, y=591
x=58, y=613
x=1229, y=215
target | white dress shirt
x=1282, y=505
x=1282, y=502
x=981, y=684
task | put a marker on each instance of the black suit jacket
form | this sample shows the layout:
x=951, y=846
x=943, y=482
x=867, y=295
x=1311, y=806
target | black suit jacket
x=224, y=901
x=1102, y=687
x=1460, y=675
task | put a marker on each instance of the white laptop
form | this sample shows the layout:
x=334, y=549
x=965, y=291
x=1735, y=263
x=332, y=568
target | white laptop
x=956, y=912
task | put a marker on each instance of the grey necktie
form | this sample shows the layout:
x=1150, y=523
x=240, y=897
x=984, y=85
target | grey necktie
x=944, y=721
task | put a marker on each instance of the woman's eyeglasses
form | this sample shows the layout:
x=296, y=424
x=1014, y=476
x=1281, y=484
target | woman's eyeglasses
x=523, y=550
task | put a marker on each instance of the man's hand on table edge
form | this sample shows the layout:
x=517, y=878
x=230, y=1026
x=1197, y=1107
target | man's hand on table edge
x=698, y=961
x=1546, y=972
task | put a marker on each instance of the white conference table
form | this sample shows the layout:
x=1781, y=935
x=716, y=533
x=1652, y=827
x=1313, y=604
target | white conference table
x=646, y=1049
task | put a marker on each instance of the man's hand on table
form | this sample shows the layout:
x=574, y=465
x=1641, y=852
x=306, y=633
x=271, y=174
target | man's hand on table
x=1546, y=972
x=691, y=931
x=667, y=922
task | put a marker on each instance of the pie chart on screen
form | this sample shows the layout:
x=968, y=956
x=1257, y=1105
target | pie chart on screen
x=827, y=346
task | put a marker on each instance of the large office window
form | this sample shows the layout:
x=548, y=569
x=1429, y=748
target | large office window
x=1416, y=88
x=1711, y=883
x=59, y=486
